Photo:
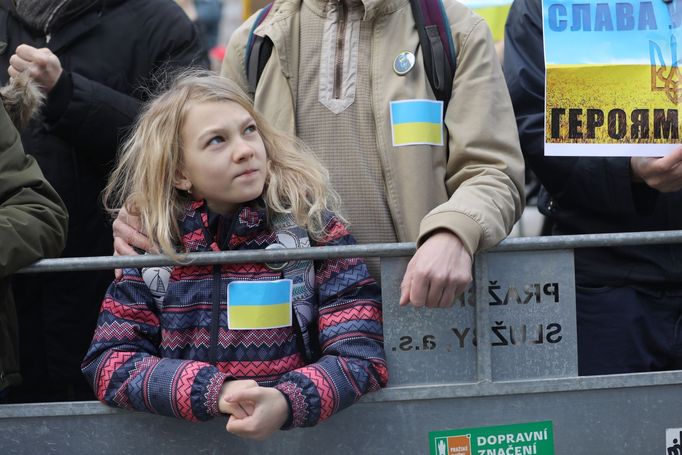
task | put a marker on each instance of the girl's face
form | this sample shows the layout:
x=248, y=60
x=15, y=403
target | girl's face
x=224, y=159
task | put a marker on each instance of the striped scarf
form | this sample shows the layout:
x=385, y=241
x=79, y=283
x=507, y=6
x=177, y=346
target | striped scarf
x=46, y=16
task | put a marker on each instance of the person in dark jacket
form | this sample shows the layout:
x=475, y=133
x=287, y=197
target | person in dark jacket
x=629, y=299
x=92, y=58
x=33, y=223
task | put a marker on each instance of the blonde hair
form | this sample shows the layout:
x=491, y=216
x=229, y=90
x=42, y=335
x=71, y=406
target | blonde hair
x=143, y=179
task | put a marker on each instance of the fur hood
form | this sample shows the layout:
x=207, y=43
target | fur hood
x=22, y=98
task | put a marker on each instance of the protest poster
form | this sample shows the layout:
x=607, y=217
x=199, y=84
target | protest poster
x=612, y=77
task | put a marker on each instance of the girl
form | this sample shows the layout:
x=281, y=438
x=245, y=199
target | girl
x=272, y=348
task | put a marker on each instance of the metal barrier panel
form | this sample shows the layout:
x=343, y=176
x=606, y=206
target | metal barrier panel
x=531, y=295
x=529, y=298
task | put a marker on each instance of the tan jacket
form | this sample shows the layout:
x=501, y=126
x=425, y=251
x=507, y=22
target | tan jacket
x=474, y=186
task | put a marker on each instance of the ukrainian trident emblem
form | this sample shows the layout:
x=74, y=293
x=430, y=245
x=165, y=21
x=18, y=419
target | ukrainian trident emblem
x=663, y=78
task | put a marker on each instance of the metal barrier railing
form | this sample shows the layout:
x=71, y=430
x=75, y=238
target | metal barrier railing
x=366, y=250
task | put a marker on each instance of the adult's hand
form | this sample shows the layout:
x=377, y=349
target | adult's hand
x=128, y=234
x=662, y=174
x=42, y=65
x=439, y=271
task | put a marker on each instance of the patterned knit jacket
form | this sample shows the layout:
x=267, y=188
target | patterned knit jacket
x=172, y=358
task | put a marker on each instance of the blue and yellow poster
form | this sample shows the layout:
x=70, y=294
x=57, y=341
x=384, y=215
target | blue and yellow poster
x=612, y=77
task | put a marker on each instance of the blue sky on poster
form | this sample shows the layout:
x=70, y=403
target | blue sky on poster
x=574, y=47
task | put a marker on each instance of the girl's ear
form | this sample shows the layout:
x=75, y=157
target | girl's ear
x=181, y=181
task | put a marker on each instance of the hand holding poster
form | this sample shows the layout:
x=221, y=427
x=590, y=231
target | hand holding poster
x=612, y=77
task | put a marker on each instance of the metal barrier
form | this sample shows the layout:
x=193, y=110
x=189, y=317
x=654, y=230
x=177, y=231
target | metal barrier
x=511, y=388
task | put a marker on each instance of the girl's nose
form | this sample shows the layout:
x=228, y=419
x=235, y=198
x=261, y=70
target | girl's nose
x=243, y=150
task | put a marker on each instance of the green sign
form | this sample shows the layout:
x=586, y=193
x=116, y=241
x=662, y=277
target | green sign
x=534, y=438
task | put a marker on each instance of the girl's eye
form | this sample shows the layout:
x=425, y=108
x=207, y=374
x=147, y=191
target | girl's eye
x=250, y=129
x=215, y=140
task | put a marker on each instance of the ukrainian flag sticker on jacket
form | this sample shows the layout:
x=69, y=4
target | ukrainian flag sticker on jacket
x=259, y=304
x=417, y=122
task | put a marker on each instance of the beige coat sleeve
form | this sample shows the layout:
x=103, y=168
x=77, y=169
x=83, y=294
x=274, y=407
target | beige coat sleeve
x=485, y=169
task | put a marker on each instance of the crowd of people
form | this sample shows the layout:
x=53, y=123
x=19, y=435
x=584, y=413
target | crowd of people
x=338, y=138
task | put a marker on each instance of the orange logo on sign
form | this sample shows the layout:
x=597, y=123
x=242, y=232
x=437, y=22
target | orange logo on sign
x=459, y=445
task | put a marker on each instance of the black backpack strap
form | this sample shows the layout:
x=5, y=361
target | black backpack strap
x=437, y=46
x=258, y=50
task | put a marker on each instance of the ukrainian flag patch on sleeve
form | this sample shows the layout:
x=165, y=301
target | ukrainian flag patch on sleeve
x=259, y=304
x=417, y=122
